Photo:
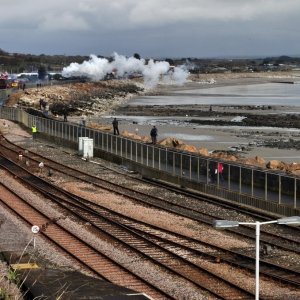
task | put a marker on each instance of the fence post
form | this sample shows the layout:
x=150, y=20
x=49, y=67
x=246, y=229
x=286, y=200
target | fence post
x=190, y=167
x=147, y=153
x=295, y=193
x=159, y=159
x=279, y=189
x=240, y=180
x=153, y=161
x=173, y=163
x=198, y=170
x=266, y=186
x=252, y=183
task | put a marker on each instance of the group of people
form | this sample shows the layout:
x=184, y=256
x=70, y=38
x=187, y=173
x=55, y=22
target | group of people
x=153, y=132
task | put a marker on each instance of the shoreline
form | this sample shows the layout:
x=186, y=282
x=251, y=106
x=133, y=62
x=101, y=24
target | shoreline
x=175, y=120
x=212, y=136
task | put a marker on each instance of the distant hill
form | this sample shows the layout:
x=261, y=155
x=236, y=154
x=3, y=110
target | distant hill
x=19, y=63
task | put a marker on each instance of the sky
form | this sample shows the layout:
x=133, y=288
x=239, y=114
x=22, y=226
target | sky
x=152, y=28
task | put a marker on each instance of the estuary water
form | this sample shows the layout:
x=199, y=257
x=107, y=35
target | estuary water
x=284, y=95
x=253, y=94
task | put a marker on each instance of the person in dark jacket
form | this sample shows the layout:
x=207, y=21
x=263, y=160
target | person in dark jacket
x=153, y=134
x=213, y=171
x=115, y=124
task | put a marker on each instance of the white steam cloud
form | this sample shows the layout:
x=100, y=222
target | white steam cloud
x=152, y=71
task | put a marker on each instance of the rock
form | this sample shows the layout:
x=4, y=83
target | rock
x=135, y=136
x=260, y=160
x=171, y=142
x=187, y=148
x=203, y=151
x=293, y=167
x=276, y=165
x=231, y=158
x=100, y=126
x=296, y=172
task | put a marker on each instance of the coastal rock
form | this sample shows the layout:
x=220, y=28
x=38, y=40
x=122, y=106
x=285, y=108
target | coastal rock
x=135, y=136
x=293, y=167
x=276, y=165
x=100, y=126
x=260, y=160
x=171, y=142
x=256, y=161
x=187, y=148
x=203, y=151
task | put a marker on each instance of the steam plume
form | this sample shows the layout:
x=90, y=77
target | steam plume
x=152, y=71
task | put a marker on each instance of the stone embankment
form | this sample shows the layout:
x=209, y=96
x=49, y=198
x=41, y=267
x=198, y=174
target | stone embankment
x=88, y=98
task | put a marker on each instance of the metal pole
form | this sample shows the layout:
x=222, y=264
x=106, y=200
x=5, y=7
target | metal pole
x=266, y=186
x=190, y=167
x=295, y=193
x=257, y=226
x=252, y=183
x=240, y=181
x=198, y=170
x=153, y=165
x=158, y=159
x=279, y=189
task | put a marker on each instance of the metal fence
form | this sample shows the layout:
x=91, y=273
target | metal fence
x=275, y=191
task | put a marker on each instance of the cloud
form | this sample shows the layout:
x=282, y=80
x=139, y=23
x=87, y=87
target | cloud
x=65, y=21
x=130, y=13
x=151, y=27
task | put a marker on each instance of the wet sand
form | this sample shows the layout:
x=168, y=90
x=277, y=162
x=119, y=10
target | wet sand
x=174, y=121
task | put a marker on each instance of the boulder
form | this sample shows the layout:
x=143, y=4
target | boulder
x=102, y=127
x=293, y=167
x=276, y=165
x=296, y=172
x=135, y=136
x=231, y=158
x=257, y=161
x=187, y=148
x=203, y=151
x=170, y=142
x=260, y=160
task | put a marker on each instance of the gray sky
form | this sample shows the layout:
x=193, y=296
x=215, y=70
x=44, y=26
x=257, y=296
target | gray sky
x=152, y=28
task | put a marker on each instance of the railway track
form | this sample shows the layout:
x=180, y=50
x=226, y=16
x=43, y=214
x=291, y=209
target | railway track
x=187, y=273
x=283, y=237
x=62, y=196
x=91, y=258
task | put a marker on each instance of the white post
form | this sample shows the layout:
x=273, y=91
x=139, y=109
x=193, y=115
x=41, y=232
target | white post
x=257, y=224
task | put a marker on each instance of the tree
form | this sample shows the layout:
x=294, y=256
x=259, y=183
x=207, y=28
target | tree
x=137, y=56
x=42, y=72
x=170, y=61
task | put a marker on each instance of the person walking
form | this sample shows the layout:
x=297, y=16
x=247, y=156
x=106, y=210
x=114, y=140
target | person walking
x=153, y=134
x=34, y=131
x=115, y=124
x=65, y=114
x=213, y=171
x=220, y=169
